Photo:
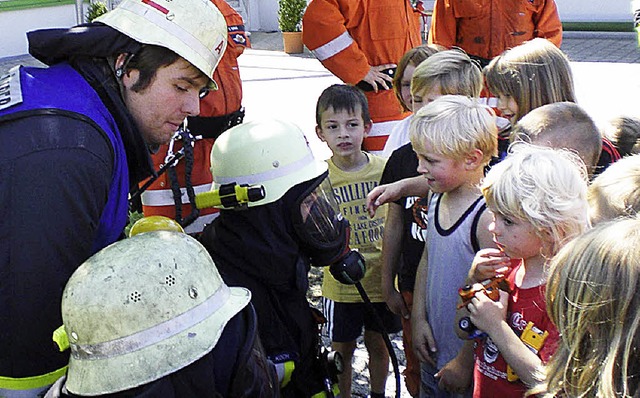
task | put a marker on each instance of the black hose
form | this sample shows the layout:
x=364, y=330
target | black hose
x=385, y=336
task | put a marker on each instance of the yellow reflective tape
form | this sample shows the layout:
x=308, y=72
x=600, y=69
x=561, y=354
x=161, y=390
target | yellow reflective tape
x=28, y=383
x=60, y=338
x=289, y=367
x=334, y=389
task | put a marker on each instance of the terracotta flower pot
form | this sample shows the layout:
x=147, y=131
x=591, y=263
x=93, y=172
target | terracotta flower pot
x=292, y=42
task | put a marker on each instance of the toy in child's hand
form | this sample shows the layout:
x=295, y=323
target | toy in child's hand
x=491, y=287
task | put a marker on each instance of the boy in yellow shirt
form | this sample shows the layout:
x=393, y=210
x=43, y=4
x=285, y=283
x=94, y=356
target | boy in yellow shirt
x=343, y=120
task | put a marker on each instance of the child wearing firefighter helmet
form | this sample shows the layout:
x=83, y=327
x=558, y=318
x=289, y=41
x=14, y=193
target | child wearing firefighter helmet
x=269, y=245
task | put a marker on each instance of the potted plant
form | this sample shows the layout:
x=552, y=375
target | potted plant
x=96, y=8
x=290, y=21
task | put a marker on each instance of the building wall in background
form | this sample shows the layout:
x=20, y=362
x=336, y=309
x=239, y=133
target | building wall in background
x=18, y=22
x=594, y=10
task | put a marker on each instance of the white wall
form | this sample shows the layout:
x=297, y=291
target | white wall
x=14, y=39
x=263, y=15
x=595, y=10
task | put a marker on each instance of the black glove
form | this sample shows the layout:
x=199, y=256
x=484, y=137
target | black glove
x=350, y=269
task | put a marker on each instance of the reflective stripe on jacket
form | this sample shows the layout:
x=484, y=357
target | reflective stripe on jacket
x=349, y=37
x=158, y=198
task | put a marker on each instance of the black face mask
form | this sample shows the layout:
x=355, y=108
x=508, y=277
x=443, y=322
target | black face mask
x=324, y=232
x=322, y=229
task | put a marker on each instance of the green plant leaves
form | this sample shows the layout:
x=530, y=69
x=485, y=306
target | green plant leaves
x=290, y=14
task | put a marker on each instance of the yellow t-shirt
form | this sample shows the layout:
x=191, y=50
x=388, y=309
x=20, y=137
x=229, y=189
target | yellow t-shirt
x=351, y=189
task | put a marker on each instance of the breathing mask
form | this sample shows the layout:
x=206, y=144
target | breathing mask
x=324, y=232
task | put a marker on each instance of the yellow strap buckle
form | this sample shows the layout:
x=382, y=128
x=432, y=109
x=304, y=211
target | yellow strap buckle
x=61, y=339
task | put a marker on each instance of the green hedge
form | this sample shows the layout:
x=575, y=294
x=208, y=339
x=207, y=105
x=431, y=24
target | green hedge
x=12, y=5
x=599, y=26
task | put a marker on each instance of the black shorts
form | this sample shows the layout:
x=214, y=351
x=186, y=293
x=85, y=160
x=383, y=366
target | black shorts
x=346, y=320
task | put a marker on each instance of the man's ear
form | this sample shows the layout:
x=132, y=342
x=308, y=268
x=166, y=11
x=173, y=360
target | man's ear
x=128, y=78
x=320, y=134
x=120, y=64
x=367, y=128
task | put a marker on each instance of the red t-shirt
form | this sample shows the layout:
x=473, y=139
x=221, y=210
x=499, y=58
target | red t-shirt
x=490, y=369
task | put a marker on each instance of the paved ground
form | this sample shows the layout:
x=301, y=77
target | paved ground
x=606, y=69
x=579, y=46
x=601, y=47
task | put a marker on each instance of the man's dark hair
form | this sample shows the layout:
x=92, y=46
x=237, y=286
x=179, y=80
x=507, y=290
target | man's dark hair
x=343, y=97
x=147, y=61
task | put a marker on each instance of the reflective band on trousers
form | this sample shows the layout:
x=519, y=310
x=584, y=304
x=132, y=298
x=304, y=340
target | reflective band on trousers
x=284, y=371
x=269, y=175
x=154, y=334
x=333, y=47
x=165, y=23
x=164, y=197
x=334, y=389
x=29, y=387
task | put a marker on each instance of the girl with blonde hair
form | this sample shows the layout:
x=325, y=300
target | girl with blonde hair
x=593, y=296
x=402, y=87
x=538, y=199
x=530, y=75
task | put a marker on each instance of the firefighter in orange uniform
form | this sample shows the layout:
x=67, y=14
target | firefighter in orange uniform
x=486, y=28
x=360, y=42
x=219, y=110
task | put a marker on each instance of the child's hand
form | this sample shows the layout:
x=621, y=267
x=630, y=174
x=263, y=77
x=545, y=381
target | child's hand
x=424, y=345
x=382, y=194
x=455, y=376
x=485, y=313
x=488, y=263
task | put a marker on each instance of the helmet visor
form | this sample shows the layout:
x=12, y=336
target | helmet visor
x=321, y=221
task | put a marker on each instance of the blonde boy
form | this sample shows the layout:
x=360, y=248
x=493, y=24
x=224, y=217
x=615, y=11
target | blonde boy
x=616, y=192
x=445, y=72
x=343, y=120
x=454, y=138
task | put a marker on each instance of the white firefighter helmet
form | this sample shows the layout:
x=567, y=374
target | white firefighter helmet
x=272, y=153
x=143, y=308
x=193, y=29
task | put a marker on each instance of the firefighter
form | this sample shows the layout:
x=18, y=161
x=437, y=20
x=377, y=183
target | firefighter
x=361, y=42
x=149, y=316
x=80, y=133
x=488, y=28
x=170, y=194
x=268, y=245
